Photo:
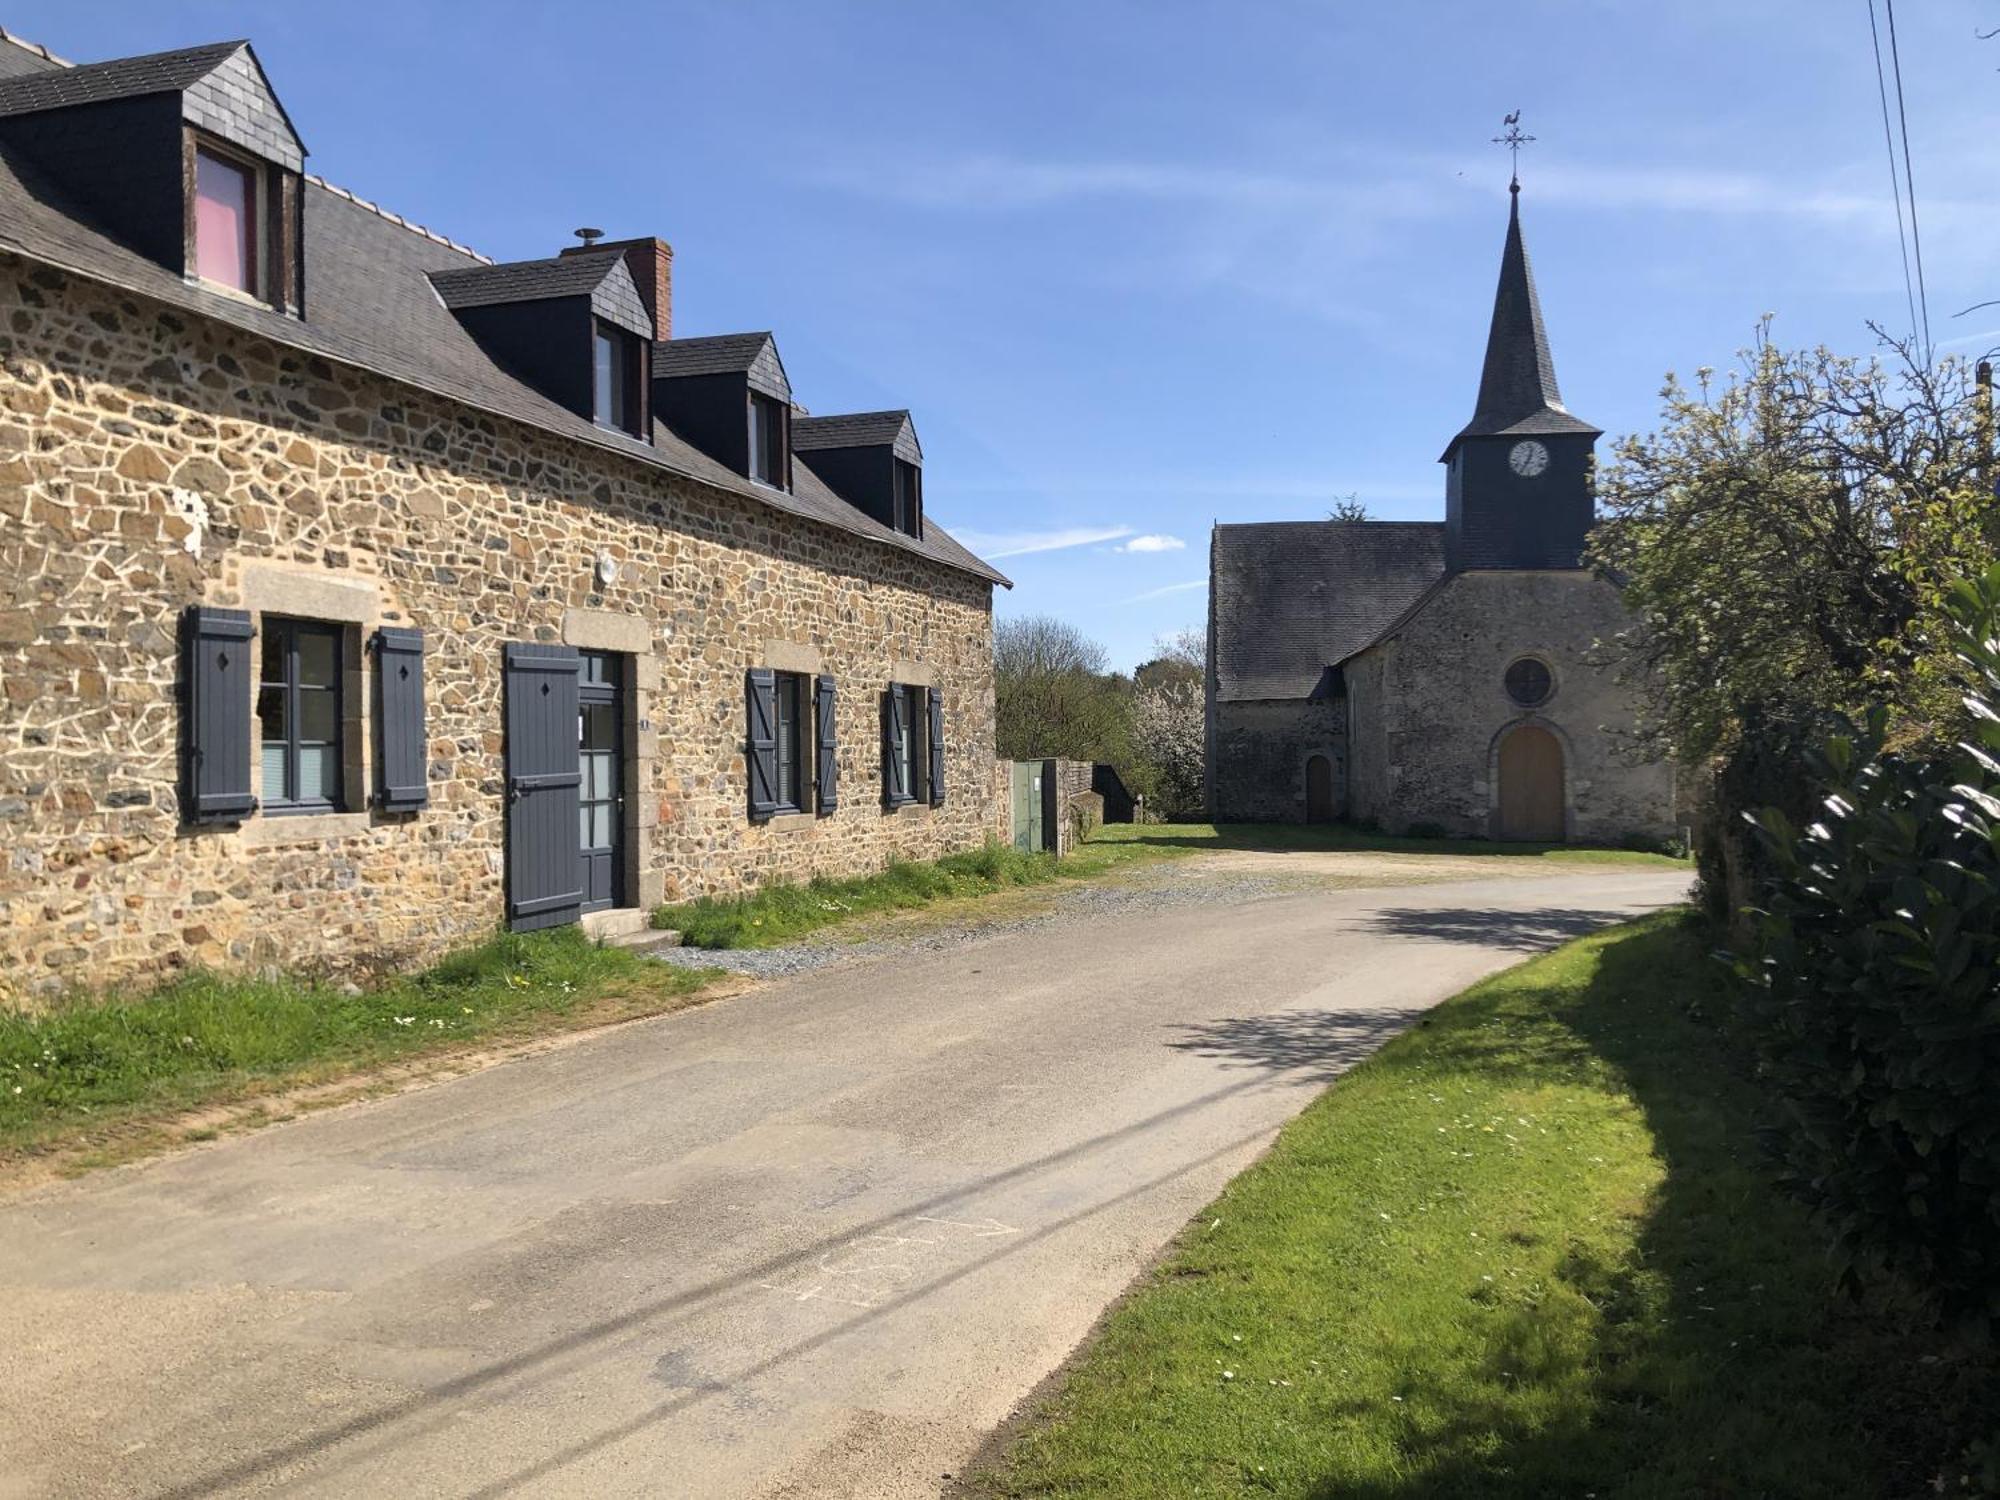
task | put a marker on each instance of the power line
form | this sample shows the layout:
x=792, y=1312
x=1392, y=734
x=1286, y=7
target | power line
x=1895, y=181
x=1909, y=179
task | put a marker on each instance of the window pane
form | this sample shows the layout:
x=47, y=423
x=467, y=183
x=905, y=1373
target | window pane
x=317, y=721
x=318, y=658
x=271, y=712
x=760, y=438
x=277, y=641
x=600, y=826
x=598, y=727
x=605, y=374
x=319, y=773
x=583, y=827
x=225, y=238
x=275, y=789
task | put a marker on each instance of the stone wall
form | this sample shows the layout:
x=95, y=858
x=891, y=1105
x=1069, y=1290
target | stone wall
x=1430, y=710
x=150, y=460
x=1259, y=754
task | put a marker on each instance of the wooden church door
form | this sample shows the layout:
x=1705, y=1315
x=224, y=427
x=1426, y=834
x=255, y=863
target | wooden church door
x=1319, y=790
x=1531, y=786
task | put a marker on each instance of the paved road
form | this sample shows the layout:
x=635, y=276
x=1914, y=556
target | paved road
x=814, y=1240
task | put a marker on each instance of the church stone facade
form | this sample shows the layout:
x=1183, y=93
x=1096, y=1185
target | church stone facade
x=1438, y=676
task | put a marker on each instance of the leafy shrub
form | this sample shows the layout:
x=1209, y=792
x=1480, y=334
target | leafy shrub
x=1873, y=984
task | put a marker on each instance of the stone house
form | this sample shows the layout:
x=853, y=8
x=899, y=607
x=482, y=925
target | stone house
x=359, y=595
x=1438, y=676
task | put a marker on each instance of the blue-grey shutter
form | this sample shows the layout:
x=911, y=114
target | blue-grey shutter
x=218, y=673
x=401, y=785
x=826, y=737
x=894, y=793
x=934, y=738
x=760, y=711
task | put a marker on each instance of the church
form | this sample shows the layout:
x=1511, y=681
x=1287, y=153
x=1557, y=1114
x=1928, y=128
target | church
x=1438, y=677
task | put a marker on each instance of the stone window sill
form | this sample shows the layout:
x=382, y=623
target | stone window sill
x=307, y=828
x=791, y=822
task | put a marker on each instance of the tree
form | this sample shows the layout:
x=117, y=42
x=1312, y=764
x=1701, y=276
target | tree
x=1055, y=695
x=1784, y=541
x=1180, y=657
x=1348, y=507
x=1169, y=742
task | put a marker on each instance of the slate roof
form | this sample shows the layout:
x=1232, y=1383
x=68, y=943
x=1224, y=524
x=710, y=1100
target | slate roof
x=120, y=78
x=1517, y=383
x=861, y=429
x=712, y=354
x=1292, y=598
x=526, y=280
x=370, y=304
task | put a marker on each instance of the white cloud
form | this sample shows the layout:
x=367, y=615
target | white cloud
x=1161, y=593
x=998, y=544
x=1153, y=543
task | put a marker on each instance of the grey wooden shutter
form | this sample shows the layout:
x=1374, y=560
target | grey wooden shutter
x=826, y=737
x=401, y=785
x=934, y=739
x=218, y=670
x=895, y=788
x=761, y=736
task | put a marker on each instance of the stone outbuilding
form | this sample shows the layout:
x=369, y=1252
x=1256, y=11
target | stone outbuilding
x=1438, y=676
x=360, y=596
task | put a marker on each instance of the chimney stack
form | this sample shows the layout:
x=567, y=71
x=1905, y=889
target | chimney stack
x=651, y=262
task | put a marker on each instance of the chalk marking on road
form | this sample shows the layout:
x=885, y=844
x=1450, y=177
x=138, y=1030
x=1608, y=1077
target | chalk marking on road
x=985, y=1229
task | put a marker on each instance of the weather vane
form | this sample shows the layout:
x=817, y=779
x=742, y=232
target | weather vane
x=1513, y=140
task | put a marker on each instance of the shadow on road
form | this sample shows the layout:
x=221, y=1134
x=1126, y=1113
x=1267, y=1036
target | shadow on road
x=1319, y=1044
x=1489, y=927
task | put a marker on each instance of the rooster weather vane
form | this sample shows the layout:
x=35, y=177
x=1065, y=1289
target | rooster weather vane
x=1513, y=140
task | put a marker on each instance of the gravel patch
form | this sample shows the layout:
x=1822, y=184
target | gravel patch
x=1159, y=889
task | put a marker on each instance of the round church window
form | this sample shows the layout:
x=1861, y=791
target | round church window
x=1529, y=682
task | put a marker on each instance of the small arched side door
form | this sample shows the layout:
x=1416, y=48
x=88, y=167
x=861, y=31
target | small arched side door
x=1320, y=806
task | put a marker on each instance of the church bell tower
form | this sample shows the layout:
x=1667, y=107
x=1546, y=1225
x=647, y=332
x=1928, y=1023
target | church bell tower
x=1518, y=475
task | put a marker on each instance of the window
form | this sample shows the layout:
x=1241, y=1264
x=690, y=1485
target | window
x=616, y=383
x=767, y=440
x=909, y=511
x=225, y=221
x=298, y=713
x=1529, y=682
x=791, y=708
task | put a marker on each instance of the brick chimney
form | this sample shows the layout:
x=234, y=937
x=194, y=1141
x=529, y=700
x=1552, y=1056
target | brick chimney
x=651, y=262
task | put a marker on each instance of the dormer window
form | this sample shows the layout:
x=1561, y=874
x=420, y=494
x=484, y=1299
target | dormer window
x=616, y=379
x=225, y=221
x=768, y=444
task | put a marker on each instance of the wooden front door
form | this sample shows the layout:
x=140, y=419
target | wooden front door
x=543, y=778
x=1531, y=786
x=1319, y=790
x=600, y=812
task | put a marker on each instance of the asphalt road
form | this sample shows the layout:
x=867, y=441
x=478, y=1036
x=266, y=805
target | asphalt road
x=814, y=1240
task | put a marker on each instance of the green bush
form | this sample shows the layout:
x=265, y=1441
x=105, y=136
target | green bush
x=1875, y=997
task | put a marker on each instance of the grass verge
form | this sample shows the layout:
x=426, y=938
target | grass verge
x=1526, y=1250
x=93, y=1065
x=1340, y=838
x=784, y=913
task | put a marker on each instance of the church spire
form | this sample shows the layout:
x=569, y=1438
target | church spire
x=1517, y=384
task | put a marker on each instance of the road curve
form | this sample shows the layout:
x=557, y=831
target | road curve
x=814, y=1240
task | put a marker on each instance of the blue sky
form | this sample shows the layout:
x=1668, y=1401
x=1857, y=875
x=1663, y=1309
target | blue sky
x=1141, y=267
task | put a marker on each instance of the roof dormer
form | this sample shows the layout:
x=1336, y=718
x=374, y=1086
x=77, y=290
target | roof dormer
x=574, y=327
x=872, y=460
x=729, y=396
x=186, y=157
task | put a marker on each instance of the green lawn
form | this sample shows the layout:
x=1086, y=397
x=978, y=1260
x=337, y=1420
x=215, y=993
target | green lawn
x=784, y=913
x=1338, y=837
x=1528, y=1250
x=97, y=1063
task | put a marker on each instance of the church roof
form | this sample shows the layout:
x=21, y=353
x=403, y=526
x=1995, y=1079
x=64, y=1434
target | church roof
x=1517, y=385
x=1292, y=598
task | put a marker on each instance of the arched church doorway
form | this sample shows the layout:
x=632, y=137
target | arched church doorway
x=1531, y=786
x=1319, y=790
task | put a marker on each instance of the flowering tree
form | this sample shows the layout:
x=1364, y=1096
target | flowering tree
x=1167, y=734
